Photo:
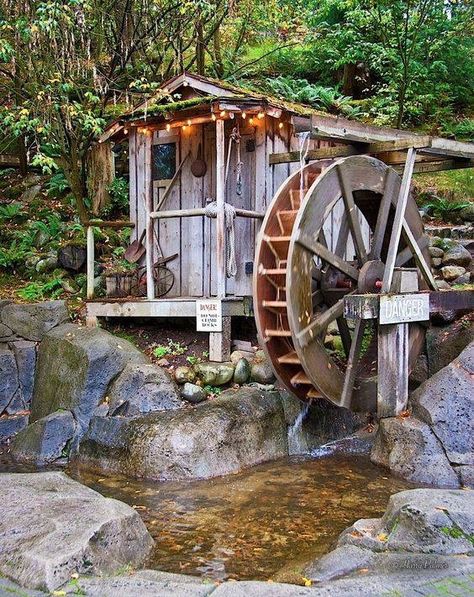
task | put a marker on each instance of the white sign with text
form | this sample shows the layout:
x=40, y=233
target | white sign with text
x=403, y=308
x=209, y=316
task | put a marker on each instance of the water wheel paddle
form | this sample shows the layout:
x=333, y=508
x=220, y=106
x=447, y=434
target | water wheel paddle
x=326, y=234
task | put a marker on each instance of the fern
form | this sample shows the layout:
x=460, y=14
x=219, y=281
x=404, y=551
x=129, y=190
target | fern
x=36, y=291
x=443, y=208
x=317, y=96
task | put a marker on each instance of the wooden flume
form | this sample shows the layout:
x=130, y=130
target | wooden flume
x=301, y=277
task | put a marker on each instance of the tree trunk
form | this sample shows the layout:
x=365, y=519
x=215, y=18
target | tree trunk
x=200, y=46
x=348, y=79
x=72, y=172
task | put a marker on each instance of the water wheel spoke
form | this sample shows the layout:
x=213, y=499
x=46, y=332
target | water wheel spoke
x=320, y=323
x=354, y=356
x=352, y=216
x=342, y=237
x=326, y=255
x=418, y=256
x=406, y=254
x=382, y=216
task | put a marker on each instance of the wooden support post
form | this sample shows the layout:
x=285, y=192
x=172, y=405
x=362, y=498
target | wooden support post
x=220, y=342
x=149, y=223
x=220, y=200
x=393, y=353
x=392, y=387
x=90, y=262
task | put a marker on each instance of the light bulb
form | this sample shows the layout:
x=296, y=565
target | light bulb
x=168, y=127
x=261, y=115
x=244, y=115
x=214, y=117
x=280, y=125
x=223, y=113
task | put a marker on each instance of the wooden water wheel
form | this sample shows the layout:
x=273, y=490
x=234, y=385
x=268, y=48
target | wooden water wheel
x=326, y=234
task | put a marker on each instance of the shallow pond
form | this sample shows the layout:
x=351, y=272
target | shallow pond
x=259, y=524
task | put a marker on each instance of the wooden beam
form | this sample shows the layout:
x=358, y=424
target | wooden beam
x=178, y=307
x=314, y=154
x=112, y=224
x=438, y=166
x=338, y=128
x=415, y=141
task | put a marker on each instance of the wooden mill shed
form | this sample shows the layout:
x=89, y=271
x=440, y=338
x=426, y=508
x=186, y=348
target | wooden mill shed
x=234, y=132
x=205, y=160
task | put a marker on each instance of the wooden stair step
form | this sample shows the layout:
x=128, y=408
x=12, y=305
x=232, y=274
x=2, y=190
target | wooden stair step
x=279, y=245
x=286, y=219
x=275, y=306
x=278, y=333
x=276, y=276
x=300, y=378
x=290, y=358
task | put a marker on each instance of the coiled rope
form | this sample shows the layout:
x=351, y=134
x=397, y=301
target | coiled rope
x=229, y=216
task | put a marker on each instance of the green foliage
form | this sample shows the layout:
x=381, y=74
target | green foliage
x=119, y=197
x=172, y=348
x=300, y=90
x=444, y=208
x=212, y=390
x=14, y=255
x=11, y=212
x=57, y=185
x=6, y=172
x=38, y=291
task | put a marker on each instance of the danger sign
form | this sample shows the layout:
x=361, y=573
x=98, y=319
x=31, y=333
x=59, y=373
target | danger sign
x=209, y=316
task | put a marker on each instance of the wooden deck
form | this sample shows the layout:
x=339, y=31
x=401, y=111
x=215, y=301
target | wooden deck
x=172, y=307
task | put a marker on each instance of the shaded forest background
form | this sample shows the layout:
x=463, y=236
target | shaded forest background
x=68, y=67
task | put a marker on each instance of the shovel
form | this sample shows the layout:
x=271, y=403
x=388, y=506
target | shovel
x=136, y=250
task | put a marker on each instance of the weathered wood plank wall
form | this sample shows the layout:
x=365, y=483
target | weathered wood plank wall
x=194, y=239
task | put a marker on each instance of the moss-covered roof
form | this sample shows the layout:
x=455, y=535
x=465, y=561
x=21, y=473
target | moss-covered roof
x=160, y=106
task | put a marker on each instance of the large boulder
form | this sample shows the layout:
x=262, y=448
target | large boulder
x=9, y=383
x=141, y=389
x=237, y=429
x=436, y=444
x=421, y=521
x=445, y=343
x=446, y=403
x=426, y=530
x=409, y=449
x=11, y=425
x=33, y=321
x=74, y=369
x=45, y=440
x=457, y=255
x=52, y=527
x=25, y=356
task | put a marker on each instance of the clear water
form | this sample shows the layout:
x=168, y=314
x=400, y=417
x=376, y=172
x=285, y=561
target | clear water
x=264, y=523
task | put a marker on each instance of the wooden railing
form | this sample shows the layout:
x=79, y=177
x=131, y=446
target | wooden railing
x=90, y=225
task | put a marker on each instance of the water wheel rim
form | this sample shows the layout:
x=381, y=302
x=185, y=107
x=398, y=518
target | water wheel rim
x=277, y=347
x=364, y=175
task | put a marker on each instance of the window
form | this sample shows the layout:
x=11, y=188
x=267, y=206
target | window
x=164, y=161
